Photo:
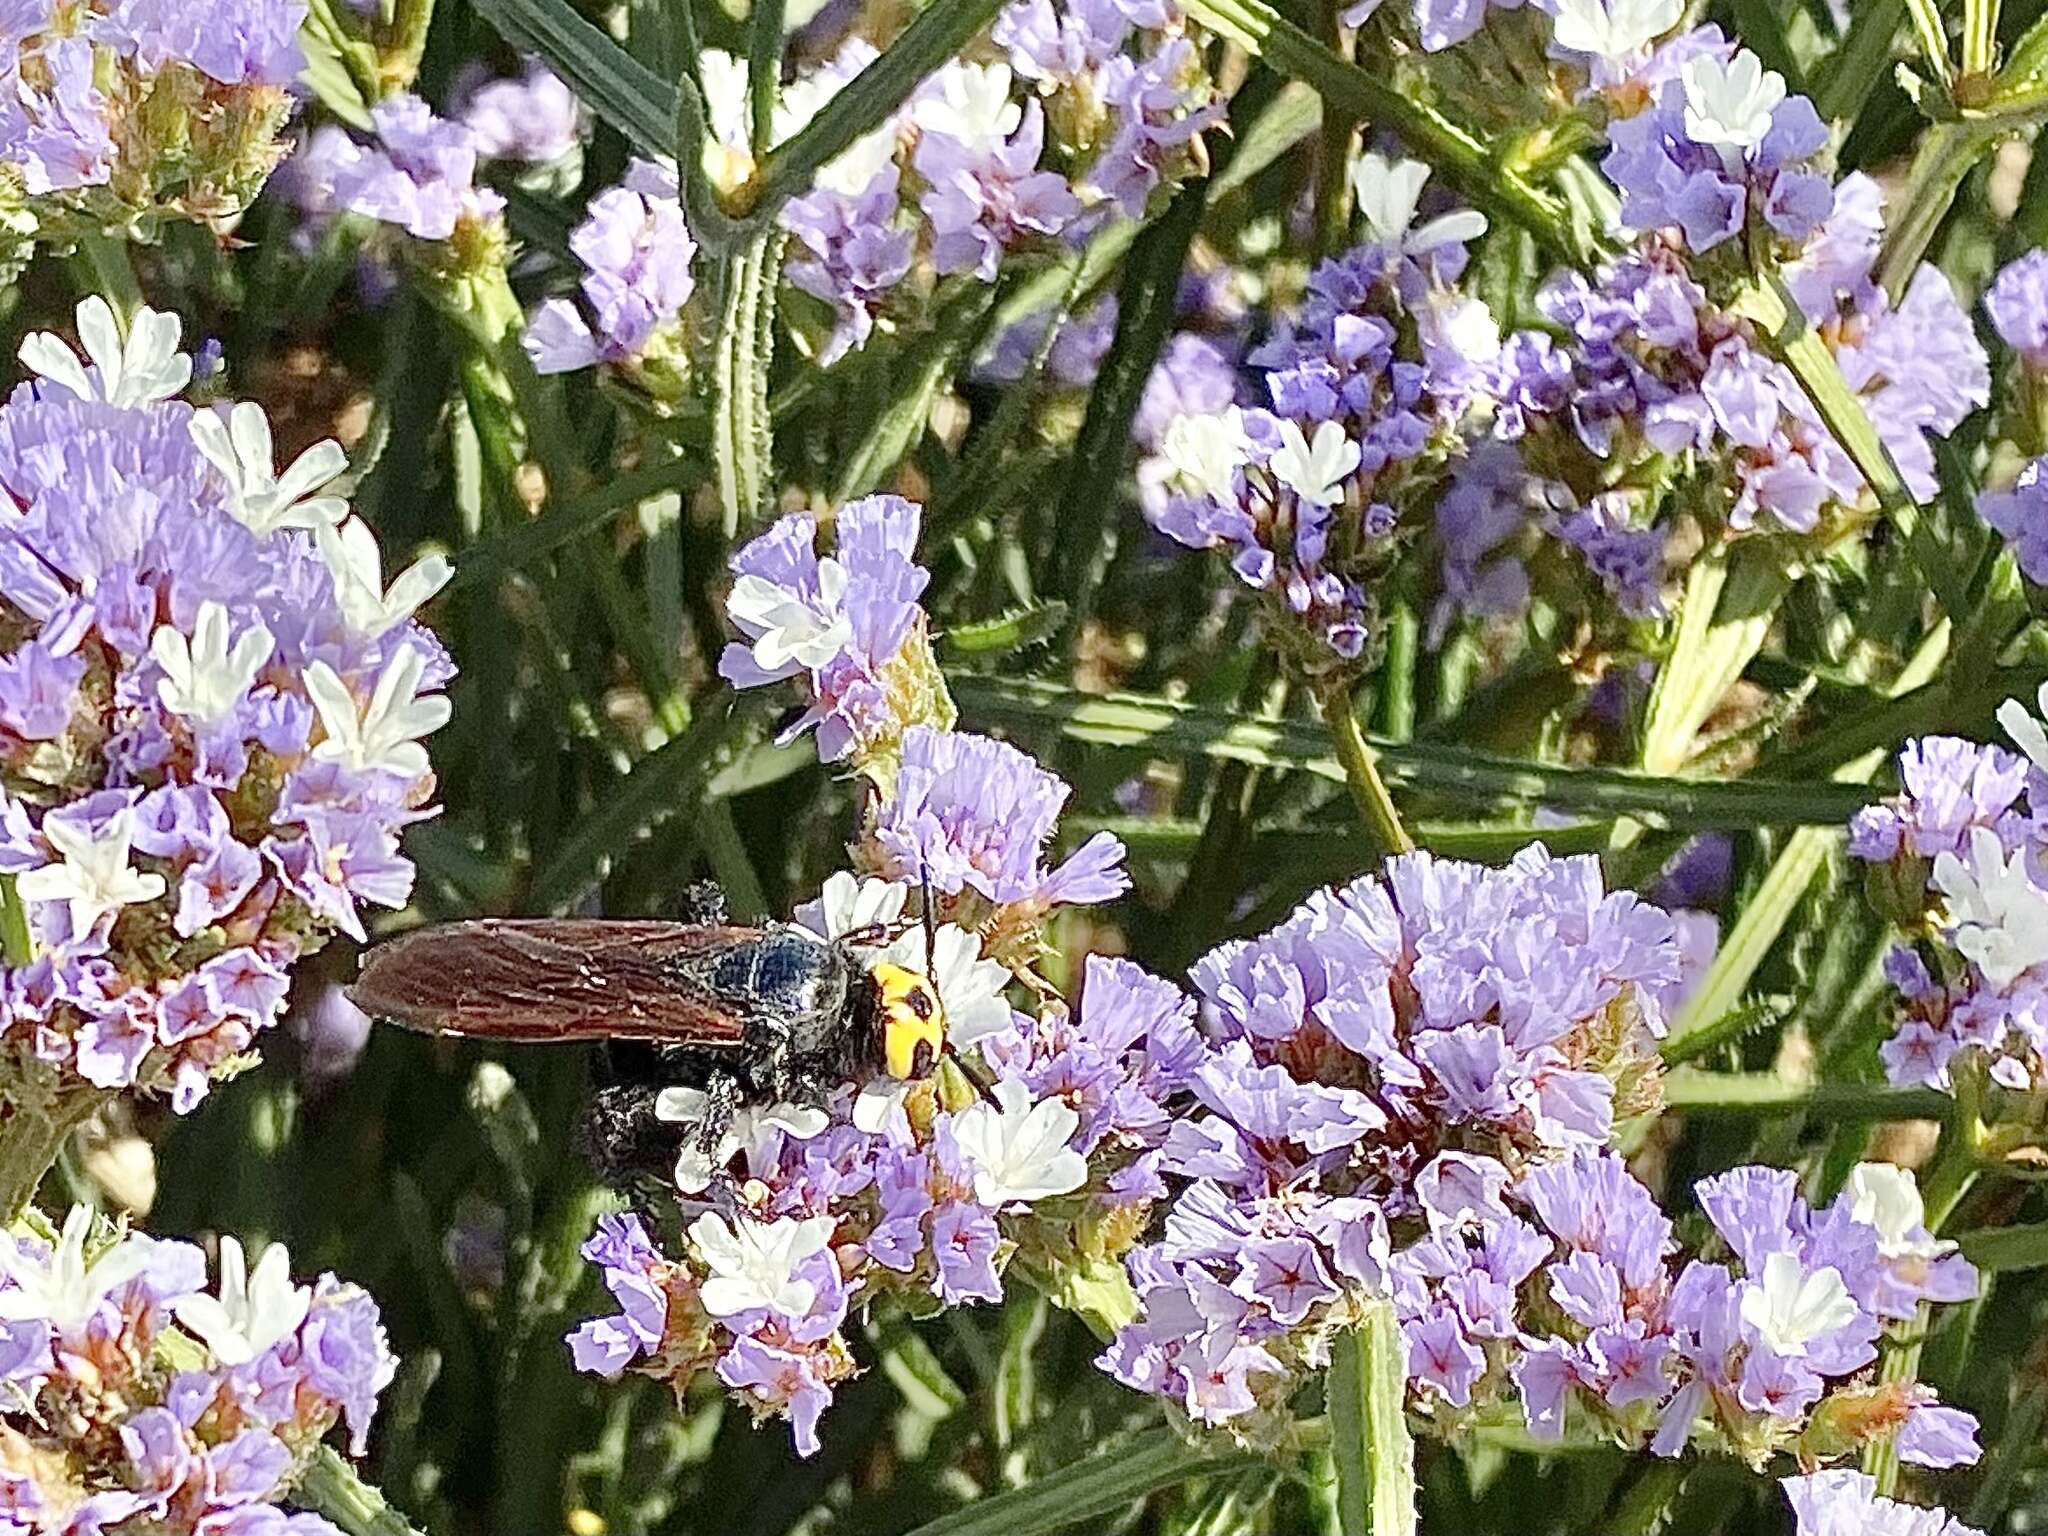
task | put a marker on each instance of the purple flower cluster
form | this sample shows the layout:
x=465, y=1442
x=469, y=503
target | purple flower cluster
x=211, y=708
x=1377, y=1068
x=1848, y=1504
x=1959, y=856
x=847, y=625
x=141, y=1400
x=1720, y=150
x=921, y=1192
x=1365, y=389
x=138, y=108
x=533, y=117
x=1073, y=128
x=2020, y=513
x=973, y=814
x=418, y=172
x=636, y=253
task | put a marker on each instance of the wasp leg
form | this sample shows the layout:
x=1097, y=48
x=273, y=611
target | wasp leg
x=701, y=902
x=722, y=1099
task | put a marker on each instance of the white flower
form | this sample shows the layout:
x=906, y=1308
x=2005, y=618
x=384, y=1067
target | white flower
x=847, y=905
x=1314, y=470
x=747, y=1132
x=2025, y=730
x=789, y=634
x=92, y=872
x=2000, y=916
x=204, y=676
x=1886, y=1198
x=1612, y=29
x=352, y=558
x=253, y=1311
x=1203, y=452
x=727, y=111
x=1388, y=192
x=1020, y=1151
x=751, y=1263
x=145, y=368
x=970, y=103
x=1465, y=326
x=1790, y=1308
x=63, y=1287
x=260, y=498
x=1730, y=104
x=386, y=733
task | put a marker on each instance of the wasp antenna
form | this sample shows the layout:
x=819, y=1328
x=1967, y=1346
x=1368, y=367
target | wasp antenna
x=931, y=927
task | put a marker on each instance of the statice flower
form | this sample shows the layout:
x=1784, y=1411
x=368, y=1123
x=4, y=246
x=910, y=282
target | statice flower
x=1845, y=1503
x=1365, y=388
x=1722, y=149
x=636, y=253
x=144, y=1398
x=2017, y=303
x=924, y=1195
x=973, y=815
x=1077, y=351
x=1095, y=110
x=1439, y=24
x=533, y=117
x=210, y=715
x=846, y=626
x=119, y=113
x=1361, y=1056
x=2021, y=515
x=418, y=173
x=1957, y=858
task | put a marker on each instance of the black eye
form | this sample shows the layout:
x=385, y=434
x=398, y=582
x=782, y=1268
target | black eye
x=921, y=1059
x=919, y=1002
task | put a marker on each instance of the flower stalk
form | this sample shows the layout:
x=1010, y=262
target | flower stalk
x=1361, y=773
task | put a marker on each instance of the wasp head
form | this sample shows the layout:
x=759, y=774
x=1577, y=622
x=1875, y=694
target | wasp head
x=912, y=1018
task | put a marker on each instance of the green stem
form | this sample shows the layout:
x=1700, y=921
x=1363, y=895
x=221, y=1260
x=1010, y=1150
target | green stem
x=1861, y=58
x=742, y=442
x=764, y=70
x=1933, y=39
x=1465, y=161
x=331, y=1488
x=1362, y=774
x=1366, y=1387
x=17, y=944
x=1333, y=170
x=1980, y=36
x=113, y=273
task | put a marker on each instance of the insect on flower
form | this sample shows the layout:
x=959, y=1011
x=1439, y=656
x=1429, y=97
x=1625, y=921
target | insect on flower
x=753, y=1016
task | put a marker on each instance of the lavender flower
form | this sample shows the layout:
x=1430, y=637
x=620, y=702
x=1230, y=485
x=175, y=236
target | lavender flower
x=186, y=1408
x=1844, y=1502
x=136, y=111
x=236, y=781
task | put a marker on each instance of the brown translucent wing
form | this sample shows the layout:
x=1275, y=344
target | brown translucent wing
x=552, y=979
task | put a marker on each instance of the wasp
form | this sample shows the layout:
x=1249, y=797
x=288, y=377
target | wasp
x=751, y=1014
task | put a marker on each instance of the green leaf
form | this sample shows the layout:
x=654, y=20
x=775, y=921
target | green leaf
x=1091, y=504
x=742, y=430
x=562, y=524
x=17, y=943
x=1170, y=728
x=670, y=779
x=2007, y=1247
x=1366, y=1391
x=1459, y=156
x=610, y=81
x=1017, y=630
x=1766, y=1094
x=1092, y=1490
x=1730, y=600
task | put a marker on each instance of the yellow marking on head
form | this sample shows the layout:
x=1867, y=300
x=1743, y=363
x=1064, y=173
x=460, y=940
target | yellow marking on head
x=913, y=1021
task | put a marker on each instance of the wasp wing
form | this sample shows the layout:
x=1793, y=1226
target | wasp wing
x=553, y=979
